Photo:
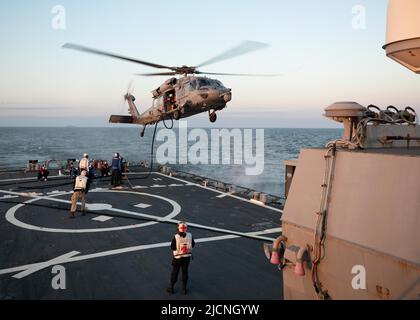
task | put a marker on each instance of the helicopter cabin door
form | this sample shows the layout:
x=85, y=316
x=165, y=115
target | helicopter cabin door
x=169, y=101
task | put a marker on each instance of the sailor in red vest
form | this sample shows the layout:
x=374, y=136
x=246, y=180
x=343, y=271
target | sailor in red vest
x=182, y=244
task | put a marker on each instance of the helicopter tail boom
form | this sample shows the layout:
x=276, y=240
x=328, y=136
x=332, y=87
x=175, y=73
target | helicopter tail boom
x=121, y=119
x=132, y=106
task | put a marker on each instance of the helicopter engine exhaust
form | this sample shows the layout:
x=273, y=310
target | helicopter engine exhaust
x=167, y=85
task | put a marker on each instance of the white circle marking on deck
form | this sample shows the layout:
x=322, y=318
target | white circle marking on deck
x=10, y=216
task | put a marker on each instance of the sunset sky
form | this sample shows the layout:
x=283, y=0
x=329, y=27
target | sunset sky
x=314, y=44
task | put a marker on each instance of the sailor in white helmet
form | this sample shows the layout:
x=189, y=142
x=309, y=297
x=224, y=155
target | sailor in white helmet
x=182, y=244
x=81, y=187
x=84, y=163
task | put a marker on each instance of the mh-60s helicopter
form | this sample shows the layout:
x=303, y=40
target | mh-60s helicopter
x=180, y=97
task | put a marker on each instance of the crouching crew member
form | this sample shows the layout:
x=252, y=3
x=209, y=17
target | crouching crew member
x=182, y=244
x=80, y=188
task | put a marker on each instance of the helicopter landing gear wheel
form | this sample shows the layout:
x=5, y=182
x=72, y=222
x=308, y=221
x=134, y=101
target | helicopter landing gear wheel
x=213, y=117
x=177, y=114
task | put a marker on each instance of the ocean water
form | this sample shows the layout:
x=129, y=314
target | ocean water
x=18, y=145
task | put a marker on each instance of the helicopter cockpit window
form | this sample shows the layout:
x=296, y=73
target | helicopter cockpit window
x=193, y=85
x=218, y=84
x=203, y=83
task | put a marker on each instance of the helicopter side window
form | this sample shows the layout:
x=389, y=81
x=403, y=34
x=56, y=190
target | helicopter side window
x=158, y=103
x=181, y=91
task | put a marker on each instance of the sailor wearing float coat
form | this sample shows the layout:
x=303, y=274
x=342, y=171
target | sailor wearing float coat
x=80, y=188
x=182, y=244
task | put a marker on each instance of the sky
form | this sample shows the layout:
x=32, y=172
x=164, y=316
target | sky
x=322, y=57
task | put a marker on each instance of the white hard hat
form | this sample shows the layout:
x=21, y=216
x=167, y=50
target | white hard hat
x=85, y=155
x=182, y=227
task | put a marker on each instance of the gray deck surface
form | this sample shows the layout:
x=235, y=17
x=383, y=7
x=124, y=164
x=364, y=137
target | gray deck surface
x=132, y=262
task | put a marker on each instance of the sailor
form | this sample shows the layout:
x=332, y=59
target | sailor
x=43, y=173
x=84, y=163
x=116, y=170
x=166, y=104
x=80, y=188
x=182, y=244
x=104, y=168
x=91, y=171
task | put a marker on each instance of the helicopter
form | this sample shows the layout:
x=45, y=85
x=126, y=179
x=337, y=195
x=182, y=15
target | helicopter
x=182, y=97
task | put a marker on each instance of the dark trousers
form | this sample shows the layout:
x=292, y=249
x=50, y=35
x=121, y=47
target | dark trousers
x=177, y=264
x=116, y=177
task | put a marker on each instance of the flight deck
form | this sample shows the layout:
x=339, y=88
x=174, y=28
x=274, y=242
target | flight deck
x=121, y=248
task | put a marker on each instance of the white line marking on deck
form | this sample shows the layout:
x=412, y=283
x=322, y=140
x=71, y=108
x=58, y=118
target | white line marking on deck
x=54, y=192
x=222, y=195
x=70, y=257
x=39, y=266
x=142, y=205
x=102, y=218
x=217, y=191
x=158, y=186
x=8, y=197
x=98, y=206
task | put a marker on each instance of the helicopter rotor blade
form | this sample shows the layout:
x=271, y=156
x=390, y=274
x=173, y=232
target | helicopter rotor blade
x=239, y=74
x=156, y=74
x=242, y=48
x=112, y=55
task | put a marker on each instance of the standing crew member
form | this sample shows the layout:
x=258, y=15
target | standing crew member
x=116, y=170
x=80, y=188
x=84, y=163
x=182, y=244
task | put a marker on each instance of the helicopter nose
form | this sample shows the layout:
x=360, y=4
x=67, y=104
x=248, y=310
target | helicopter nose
x=227, y=96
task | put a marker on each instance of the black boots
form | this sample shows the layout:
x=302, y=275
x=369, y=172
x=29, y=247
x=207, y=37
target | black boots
x=171, y=290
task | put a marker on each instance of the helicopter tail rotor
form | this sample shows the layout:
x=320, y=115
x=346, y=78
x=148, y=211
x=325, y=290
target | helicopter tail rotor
x=129, y=93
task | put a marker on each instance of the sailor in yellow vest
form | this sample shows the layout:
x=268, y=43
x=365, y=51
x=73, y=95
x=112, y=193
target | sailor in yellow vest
x=182, y=244
x=81, y=187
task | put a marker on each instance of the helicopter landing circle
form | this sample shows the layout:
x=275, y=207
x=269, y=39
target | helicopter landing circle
x=10, y=215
